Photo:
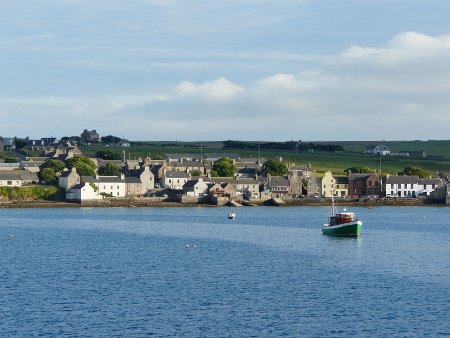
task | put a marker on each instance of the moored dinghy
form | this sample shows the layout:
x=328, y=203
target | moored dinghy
x=342, y=223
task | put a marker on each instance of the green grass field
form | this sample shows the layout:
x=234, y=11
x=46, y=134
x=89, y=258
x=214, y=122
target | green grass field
x=320, y=162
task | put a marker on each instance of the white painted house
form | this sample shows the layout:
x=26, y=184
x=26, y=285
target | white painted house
x=410, y=186
x=427, y=185
x=402, y=186
x=113, y=186
x=377, y=149
x=17, y=178
x=83, y=192
x=174, y=179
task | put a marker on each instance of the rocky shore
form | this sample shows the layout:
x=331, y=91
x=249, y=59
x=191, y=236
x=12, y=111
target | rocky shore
x=159, y=203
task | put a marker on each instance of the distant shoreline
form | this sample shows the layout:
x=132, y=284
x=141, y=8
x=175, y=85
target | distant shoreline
x=132, y=203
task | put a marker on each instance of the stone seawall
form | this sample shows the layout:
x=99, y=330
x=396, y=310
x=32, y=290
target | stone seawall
x=167, y=202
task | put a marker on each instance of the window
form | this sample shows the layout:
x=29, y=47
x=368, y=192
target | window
x=399, y=186
x=9, y=183
x=370, y=183
x=405, y=186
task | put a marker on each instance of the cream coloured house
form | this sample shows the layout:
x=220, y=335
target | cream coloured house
x=17, y=178
x=328, y=185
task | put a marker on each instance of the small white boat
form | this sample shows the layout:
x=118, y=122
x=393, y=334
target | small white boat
x=231, y=215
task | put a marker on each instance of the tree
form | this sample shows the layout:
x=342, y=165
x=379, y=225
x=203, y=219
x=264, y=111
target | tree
x=109, y=169
x=275, y=168
x=49, y=169
x=20, y=143
x=47, y=175
x=359, y=170
x=415, y=171
x=223, y=167
x=195, y=172
x=84, y=165
x=108, y=155
x=111, y=139
x=56, y=165
x=11, y=160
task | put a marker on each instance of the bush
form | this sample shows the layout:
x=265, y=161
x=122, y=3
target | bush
x=32, y=193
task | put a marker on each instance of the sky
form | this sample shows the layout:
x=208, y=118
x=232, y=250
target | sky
x=192, y=70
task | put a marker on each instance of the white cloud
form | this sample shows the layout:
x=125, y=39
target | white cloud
x=399, y=90
x=220, y=89
x=408, y=46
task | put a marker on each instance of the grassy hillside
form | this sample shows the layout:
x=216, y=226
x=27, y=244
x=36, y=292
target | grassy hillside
x=432, y=148
x=321, y=162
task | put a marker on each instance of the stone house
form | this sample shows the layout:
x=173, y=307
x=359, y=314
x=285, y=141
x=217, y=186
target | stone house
x=134, y=186
x=33, y=166
x=174, y=179
x=363, y=184
x=90, y=136
x=216, y=190
x=341, y=189
x=145, y=175
x=196, y=188
x=68, y=179
x=278, y=185
x=188, y=166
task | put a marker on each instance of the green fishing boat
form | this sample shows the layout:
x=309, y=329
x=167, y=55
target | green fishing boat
x=343, y=223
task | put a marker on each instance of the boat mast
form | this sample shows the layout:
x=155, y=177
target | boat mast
x=333, y=206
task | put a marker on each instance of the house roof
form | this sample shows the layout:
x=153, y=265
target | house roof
x=430, y=181
x=18, y=175
x=132, y=179
x=278, y=181
x=9, y=165
x=247, y=181
x=402, y=180
x=341, y=180
x=177, y=174
x=358, y=177
x=221, y=180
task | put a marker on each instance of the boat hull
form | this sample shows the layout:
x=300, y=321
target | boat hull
x=350, y=229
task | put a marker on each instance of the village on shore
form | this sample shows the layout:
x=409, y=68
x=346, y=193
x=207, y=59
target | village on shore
x=199, y=179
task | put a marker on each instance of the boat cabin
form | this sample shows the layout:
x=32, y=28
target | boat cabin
x=342, y=218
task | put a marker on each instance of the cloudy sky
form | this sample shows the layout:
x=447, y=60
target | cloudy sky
x=226, y=69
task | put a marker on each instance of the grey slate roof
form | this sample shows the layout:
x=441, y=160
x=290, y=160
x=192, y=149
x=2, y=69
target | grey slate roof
x=278, y=181
x=430, y=181
x=341, y=180
x=402, y=180
x=9, y=165
x=18, y=175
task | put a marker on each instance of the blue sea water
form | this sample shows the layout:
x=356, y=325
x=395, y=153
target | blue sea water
x=191, y=272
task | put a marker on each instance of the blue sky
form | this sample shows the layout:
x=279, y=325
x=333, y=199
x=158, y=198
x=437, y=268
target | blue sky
x=215, y=70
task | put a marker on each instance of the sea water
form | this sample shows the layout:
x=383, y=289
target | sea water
x=192, y=272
